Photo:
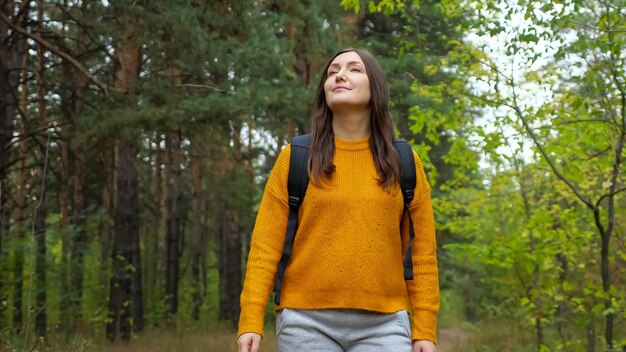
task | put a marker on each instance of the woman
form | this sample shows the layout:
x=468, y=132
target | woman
x=344, y=288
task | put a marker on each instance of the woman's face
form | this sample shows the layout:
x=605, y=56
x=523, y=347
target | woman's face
x=346, y=83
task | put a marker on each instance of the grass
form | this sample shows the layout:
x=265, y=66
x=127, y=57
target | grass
x=196, y=340
x=454, y=336
x=188, y=341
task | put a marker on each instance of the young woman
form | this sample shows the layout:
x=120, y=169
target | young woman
x=344, y=288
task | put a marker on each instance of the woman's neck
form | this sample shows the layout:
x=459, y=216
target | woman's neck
x=352, y=125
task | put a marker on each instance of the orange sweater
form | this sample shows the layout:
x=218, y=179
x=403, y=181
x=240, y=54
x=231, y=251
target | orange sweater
x=348, y=251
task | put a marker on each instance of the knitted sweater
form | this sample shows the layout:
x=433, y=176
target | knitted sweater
x=348, y=250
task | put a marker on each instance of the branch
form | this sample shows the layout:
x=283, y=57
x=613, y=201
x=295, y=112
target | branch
x=54, y=50
x=610, y=195
x=530, y=132
x=599, y=29
x=205, y=86
x=569, y=122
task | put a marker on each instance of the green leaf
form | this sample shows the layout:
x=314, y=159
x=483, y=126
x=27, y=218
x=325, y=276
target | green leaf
x=352, y=5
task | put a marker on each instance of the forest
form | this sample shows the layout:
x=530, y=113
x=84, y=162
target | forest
x=136, y=138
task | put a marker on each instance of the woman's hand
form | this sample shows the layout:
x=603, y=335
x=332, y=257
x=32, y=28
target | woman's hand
x=249, y=342
x=422, y=346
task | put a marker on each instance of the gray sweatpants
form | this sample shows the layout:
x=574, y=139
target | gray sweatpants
x=339, y=330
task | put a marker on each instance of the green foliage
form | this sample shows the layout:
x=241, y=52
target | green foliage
x=527, y=232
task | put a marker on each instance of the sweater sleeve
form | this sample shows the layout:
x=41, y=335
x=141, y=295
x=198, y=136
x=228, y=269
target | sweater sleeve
x=424, y=288
x=266, y=247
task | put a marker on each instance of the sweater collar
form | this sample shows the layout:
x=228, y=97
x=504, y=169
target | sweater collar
x=352, y=144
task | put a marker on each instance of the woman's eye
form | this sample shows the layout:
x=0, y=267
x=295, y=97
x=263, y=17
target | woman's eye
x=331, y=73
x=356, y=69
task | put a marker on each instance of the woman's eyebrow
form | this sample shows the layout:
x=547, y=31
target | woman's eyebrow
x=350, y=63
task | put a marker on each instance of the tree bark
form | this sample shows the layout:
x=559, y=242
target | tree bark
x=230, y=266
x=173, y=219
x=125, y=301
x=41, y=299
x=561, y=259
x=40, y=211
x=198, y=241
x=122, y=290
x=4, y=231
x=79, y=242
x=14, y=48
x=19, y=243
x=64, y=201
x=19, y=213
x=173, y=222
x=108, y=207
x=591, y=336
x=153, y=261
x=536, y=273
x=64, y=227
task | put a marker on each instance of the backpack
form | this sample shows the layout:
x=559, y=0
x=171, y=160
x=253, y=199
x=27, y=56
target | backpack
x=298, y=181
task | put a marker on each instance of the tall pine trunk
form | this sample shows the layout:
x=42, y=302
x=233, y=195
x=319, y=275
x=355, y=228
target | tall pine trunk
x=198, y=237
x=79, y=243
x=230, y=242
x=64, y=201
x=229, y=266
x=73, y=104
x=126, y=228
x=173, y=222
x=20, y=209
x=19, y=244
x=14, y=48
x=125, y=301
x=108, y=190
x=153, y=258
x=173, y=200
x=64, y=227
x=40, y=211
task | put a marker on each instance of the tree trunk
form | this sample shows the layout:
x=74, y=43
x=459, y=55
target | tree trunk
x=606, y=234
x=4, y=231
x=125, y=301
x=173, y=219
x=40, y=193
x=153, y=261
x=561, y=259
x=606, y=285
x=591, y=336
x=19, y=214
x=19, y=246
x=122, y=303
x=40, y=263
x=74, y=104
x=532, y=248
x=64, y=224
x=14, y=49
x=137, y=284
x=173, y=222
x=63, y=197
x=108, y=206
x=230, y=267
x=198, y=240
x=79, y=243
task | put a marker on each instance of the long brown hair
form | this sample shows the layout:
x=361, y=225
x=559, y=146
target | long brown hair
x=386, y=161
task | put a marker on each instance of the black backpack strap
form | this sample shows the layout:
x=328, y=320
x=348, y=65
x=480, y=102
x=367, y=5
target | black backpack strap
x=407, y=184
x=296, y=186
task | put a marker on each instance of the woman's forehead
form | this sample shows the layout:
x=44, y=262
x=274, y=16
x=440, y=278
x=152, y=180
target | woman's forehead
x=345, y=58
